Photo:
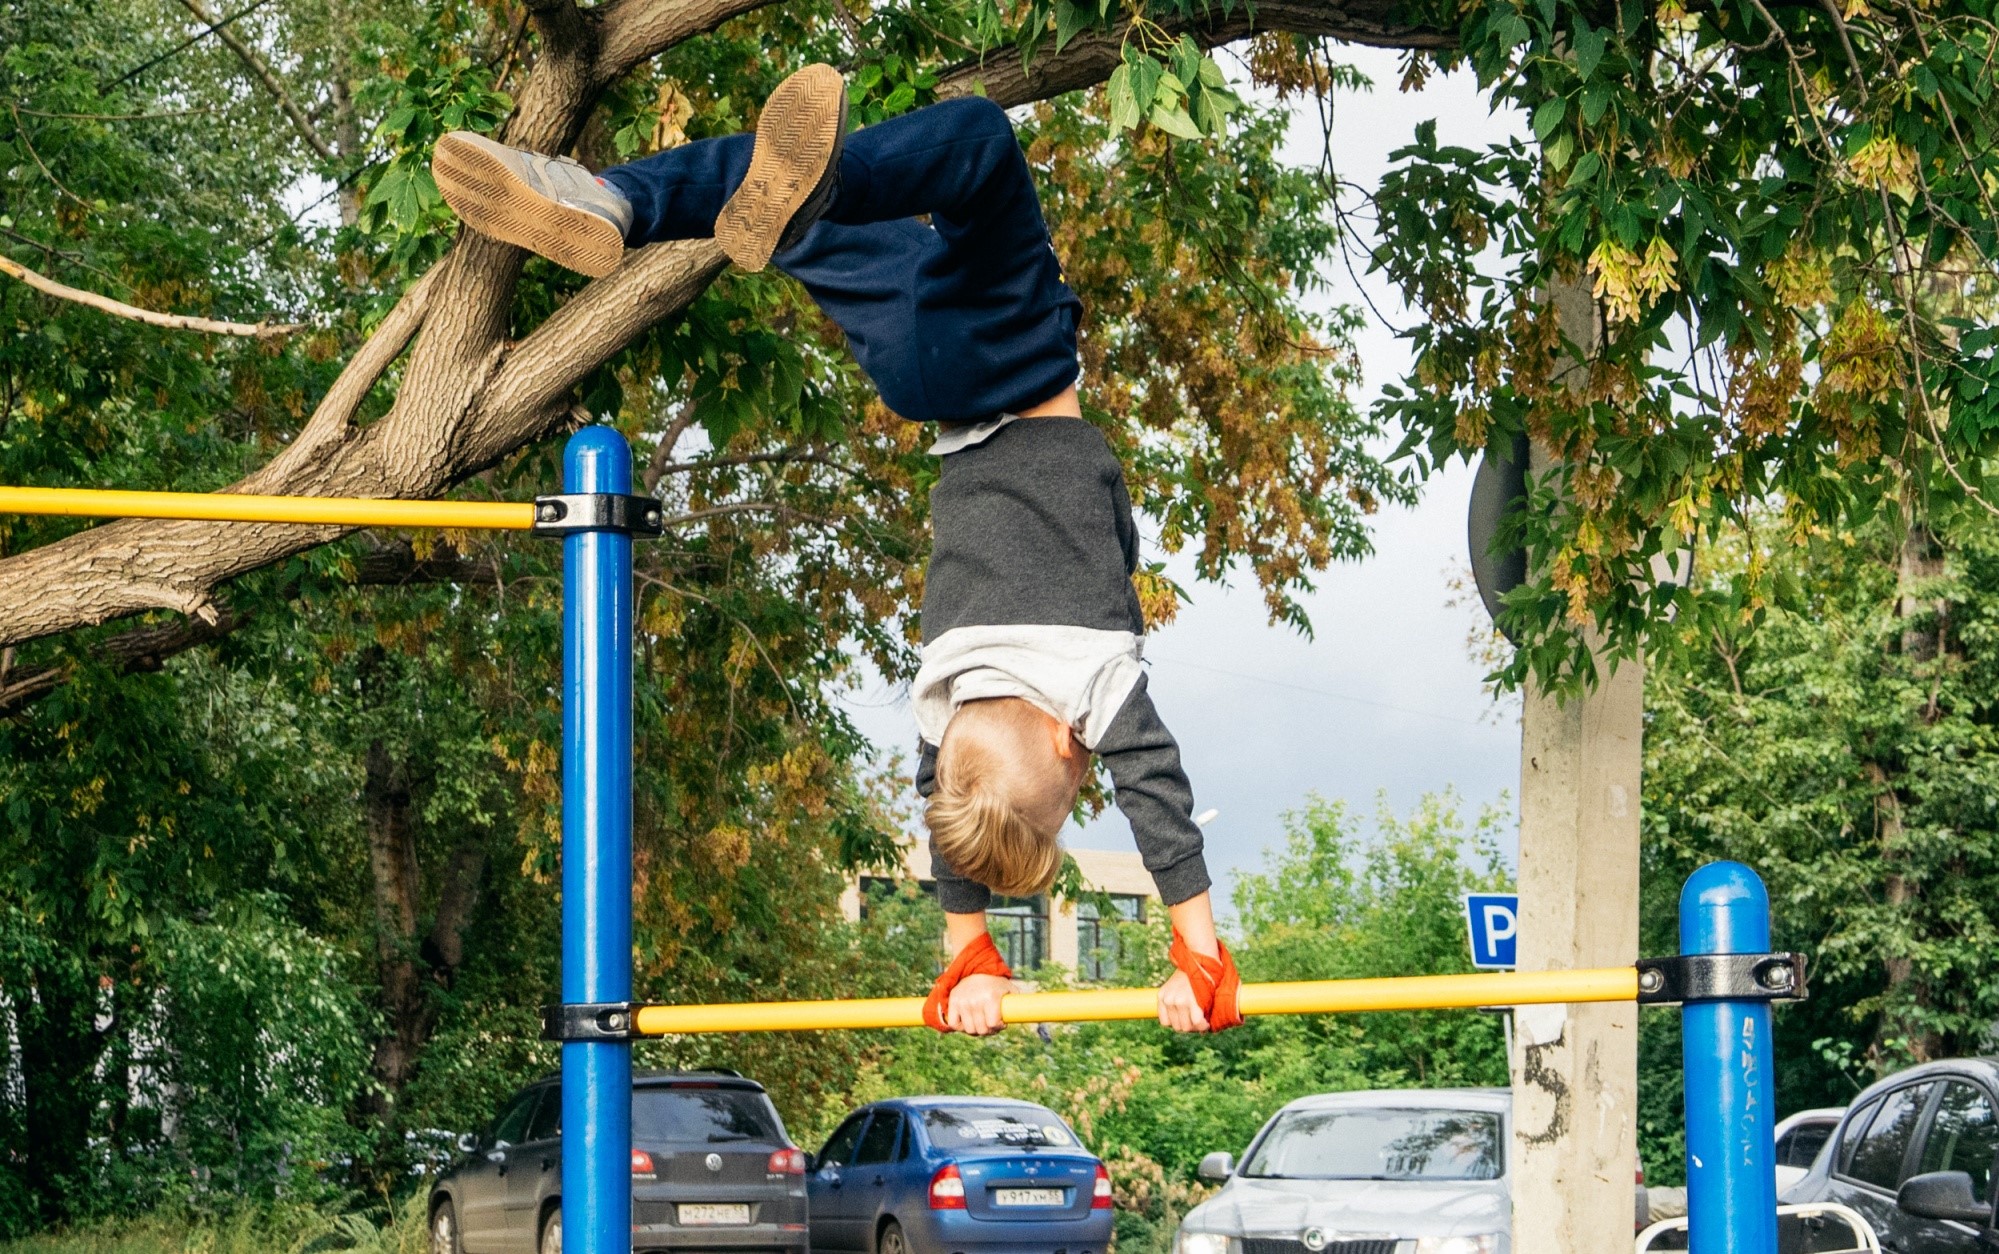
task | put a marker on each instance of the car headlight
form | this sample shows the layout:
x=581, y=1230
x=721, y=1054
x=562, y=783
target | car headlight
x=1484, y=1243
x=1204, y=1243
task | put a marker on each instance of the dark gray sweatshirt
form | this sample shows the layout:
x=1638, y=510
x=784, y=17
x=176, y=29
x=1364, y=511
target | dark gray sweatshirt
x=1033, y=527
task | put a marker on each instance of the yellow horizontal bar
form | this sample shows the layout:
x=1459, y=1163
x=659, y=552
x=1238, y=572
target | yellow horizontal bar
x=339, y=511
x=1421, y=992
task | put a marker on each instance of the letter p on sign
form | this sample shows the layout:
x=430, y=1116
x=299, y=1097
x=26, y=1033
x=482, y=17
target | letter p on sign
x=1493, y=921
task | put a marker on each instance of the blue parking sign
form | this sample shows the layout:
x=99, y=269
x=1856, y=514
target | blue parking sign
x=1493, y=920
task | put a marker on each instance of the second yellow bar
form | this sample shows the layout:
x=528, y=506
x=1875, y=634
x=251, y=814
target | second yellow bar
x=1422, y=992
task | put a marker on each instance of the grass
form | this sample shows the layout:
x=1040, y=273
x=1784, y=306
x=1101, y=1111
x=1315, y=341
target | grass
x=263, y=1230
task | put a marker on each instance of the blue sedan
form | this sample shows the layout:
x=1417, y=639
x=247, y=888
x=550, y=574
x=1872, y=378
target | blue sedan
x=957, y=1175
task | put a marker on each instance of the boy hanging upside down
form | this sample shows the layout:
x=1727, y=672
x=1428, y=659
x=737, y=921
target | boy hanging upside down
x=1031, y=629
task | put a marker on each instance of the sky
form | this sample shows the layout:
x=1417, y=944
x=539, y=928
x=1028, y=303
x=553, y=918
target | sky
x=1386, y=700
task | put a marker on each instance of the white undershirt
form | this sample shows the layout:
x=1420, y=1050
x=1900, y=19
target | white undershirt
x=950, y=441
x=1080, y=675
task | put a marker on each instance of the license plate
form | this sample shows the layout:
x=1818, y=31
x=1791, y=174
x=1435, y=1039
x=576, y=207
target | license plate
x=1027, y=1197
x=708, y=1215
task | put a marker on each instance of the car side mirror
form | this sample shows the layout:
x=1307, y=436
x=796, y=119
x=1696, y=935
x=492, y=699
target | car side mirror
x=468, y=1142
x=1216, y=1167
x=1943, y=1195
x=811, y=1162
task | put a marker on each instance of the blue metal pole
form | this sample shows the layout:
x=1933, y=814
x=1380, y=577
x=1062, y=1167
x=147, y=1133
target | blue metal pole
x=1731, y=1090
x=597, y=852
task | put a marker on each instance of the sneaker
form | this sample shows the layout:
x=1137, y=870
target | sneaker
x=794, y=169
x=549, y=205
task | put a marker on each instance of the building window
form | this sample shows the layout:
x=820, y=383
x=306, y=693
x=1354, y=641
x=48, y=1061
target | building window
x=1097, y=946
x=1020, y=928
x=876, y=888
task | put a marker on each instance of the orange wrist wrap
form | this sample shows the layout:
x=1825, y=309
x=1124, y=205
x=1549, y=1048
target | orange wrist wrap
x=1215, y=980
x=981, y=957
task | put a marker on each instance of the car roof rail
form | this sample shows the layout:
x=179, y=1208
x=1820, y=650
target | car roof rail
x=698, y=1073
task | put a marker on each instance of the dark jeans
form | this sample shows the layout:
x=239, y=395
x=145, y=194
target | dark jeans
x=962, y=319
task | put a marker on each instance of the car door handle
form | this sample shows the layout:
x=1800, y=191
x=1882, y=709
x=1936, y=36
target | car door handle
x=547, y=1163
x=881, y=1179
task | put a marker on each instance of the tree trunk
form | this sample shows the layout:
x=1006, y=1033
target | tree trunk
x=55, y=1018
x=412, y=963
x=1924, y=636
x=389, y=813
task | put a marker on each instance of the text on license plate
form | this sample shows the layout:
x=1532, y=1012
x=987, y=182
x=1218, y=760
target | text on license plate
x=712, y=1213
x=1027, y=1197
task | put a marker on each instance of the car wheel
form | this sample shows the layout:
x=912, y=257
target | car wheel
x=890, y=1240
x=444, y=1229
x=551, y=1233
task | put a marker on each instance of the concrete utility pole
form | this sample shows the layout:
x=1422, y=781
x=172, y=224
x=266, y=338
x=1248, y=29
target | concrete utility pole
x=1575, y=1068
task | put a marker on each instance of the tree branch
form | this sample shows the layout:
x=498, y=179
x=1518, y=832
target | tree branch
x=119, y=309
x=146, y=649
x=329, y=424
x=783, y=458
x=139, y=650
x=1090, y=57
x=261, y=71
x=638, y=30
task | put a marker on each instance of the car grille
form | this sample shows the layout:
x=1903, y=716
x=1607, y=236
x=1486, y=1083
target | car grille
x=1291, y=1245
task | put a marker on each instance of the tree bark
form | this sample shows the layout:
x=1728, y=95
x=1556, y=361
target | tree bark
x=471, y=394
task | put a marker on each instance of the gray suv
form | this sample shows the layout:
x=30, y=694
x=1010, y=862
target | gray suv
x=712, y=1170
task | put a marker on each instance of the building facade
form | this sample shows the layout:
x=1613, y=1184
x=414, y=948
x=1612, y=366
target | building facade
x=1035, y=931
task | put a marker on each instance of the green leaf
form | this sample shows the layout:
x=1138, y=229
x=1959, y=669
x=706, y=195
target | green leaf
x=1070, y=18
x=1596, y=98
x=1187, y=60
x=1586, y=167
x=1549, y=116
x=1126, y=115
x=1589, y=44
x=1174, y=121
x=1559, y=150
x=1146, y=76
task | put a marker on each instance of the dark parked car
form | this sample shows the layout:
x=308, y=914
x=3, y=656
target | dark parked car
x=712, y=1169
x=1914, y=1154
x=958, y=1175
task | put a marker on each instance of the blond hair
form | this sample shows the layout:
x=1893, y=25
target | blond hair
x=1002, y=797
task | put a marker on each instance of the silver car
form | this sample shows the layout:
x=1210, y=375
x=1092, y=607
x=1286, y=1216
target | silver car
x=1415, y=1171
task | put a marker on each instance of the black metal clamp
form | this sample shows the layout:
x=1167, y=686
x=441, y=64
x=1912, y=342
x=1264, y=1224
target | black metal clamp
x=1693, y=978
x=608, y=1021
x=597, y=511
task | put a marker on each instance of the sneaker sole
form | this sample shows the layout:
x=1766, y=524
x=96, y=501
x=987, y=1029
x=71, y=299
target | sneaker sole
x=481, y=187
x=797, y=134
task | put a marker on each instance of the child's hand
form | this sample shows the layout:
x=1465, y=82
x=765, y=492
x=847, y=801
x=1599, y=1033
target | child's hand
x=975, y=1005
x=1178, y=1007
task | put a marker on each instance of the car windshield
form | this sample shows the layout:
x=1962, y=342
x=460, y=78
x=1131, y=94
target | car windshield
x=703, y=1116
x=972, y=1127
x=1379, y=1145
